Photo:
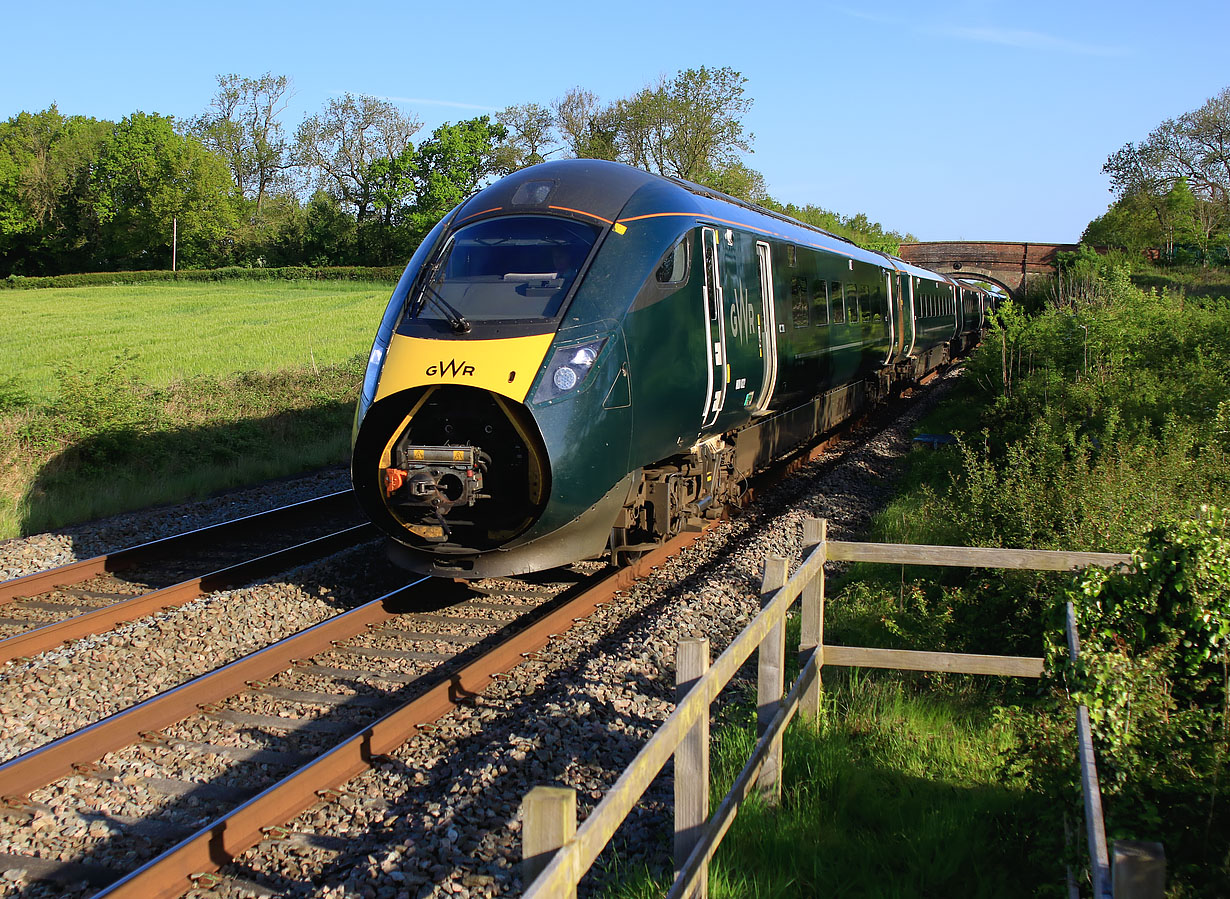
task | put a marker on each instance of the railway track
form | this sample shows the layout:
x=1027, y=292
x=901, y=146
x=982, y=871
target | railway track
x=157, y=800
x=40, y=611
x=271, y=733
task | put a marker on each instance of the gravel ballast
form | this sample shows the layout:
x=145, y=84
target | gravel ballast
x=441, y=816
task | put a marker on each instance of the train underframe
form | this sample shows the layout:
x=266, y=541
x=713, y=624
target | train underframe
x=686, y=490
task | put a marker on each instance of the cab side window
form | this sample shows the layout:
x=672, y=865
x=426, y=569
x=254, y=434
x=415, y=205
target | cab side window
x=674, y=266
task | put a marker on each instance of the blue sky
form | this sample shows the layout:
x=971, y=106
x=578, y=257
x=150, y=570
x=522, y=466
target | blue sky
x=953, y=120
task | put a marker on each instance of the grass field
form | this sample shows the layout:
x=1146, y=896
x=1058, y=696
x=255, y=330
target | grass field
x=120, y=397
x=178, y=331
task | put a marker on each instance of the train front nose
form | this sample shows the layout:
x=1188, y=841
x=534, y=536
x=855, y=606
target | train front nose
x=451, y=469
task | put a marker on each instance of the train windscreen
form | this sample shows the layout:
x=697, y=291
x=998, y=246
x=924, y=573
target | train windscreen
x=506, y=268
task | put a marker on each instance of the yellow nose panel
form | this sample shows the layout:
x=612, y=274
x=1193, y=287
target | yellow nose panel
x=506, y=366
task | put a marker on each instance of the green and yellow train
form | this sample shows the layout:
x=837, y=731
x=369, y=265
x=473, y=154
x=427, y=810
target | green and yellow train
x=586, y=358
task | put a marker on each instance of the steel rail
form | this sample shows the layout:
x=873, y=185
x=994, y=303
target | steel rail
x=60, y=758
x=76, y=572
x=171, y=874
x=49, y=636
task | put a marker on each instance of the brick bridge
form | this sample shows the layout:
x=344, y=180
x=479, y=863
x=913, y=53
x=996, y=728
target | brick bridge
x=1001, y=262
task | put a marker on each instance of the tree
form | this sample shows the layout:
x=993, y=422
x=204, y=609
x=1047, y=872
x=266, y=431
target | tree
x=243, y=128
x=531, y=134
x=329, y=233
x=589, y=130
x=1129, y=224
x=45, y=221
x=452, y=163
x=338, y=146
x=738, y=180
x=146, y=175
x=690, y=127
x=1181, y=171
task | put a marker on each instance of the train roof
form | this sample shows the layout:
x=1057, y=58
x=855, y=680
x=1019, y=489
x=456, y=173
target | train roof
x=600, y=190
x=917, y=271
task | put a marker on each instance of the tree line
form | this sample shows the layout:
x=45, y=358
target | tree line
x=1172, y=189
x=349, y=185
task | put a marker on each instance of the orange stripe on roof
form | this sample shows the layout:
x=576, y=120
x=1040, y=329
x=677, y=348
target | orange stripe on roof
x=582, y=212
x=477, y=214
x=712, y=218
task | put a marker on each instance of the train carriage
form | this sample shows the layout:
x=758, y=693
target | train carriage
x=585, y=357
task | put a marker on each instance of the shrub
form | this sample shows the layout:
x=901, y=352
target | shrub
x=386, y=274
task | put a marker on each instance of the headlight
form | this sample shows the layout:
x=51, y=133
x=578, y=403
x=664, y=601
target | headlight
x=371, y=377
x=567, y=370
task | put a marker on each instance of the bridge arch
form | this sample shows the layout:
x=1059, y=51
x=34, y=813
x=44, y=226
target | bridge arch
x=971, y=275
x=1006, y=263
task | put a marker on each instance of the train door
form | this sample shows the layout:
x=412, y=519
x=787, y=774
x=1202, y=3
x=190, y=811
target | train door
x=908, y=303
x=767, y=329
x=715, y=328
x=890, y=316
x=750, y=362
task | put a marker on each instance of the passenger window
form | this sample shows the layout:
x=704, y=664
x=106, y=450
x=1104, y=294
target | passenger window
x=798, y=302
x=674, y=267
x=821, y=302
x=791, y=255
x=839, y=302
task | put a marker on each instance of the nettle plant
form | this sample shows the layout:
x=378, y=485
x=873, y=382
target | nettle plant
x=1153, y=667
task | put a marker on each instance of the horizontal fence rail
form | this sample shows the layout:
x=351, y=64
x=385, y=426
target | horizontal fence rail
x=973, y=556
x=557, y=853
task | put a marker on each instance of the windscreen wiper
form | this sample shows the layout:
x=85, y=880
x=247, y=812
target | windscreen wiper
x=456, y=320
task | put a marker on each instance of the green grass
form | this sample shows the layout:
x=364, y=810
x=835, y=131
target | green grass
x=120, y=397
x=178, y=331
x=894, y=793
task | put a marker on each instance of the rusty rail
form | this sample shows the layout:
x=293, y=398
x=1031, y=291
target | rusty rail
x=41, y=639
x=58, y=759
x=171, y=873
x=76, y=572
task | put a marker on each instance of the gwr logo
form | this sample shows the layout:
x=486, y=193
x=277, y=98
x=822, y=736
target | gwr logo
x=451, y=368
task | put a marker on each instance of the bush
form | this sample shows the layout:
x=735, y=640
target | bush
x=386, y=274
x=1152, y=671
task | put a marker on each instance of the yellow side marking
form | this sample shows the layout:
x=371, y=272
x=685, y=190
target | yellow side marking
x=619, y=229
x=727, y=372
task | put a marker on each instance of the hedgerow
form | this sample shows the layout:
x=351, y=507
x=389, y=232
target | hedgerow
x=388, y=274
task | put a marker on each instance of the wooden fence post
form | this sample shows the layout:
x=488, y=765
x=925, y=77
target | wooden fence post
x=770, y=681
x=691, y=763
x=548, y=821
x=811, y=636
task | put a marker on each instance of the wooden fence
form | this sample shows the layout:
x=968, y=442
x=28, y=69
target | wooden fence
x=557, y=854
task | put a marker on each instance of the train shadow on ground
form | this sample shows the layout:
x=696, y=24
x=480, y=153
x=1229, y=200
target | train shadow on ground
x=129, y=466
